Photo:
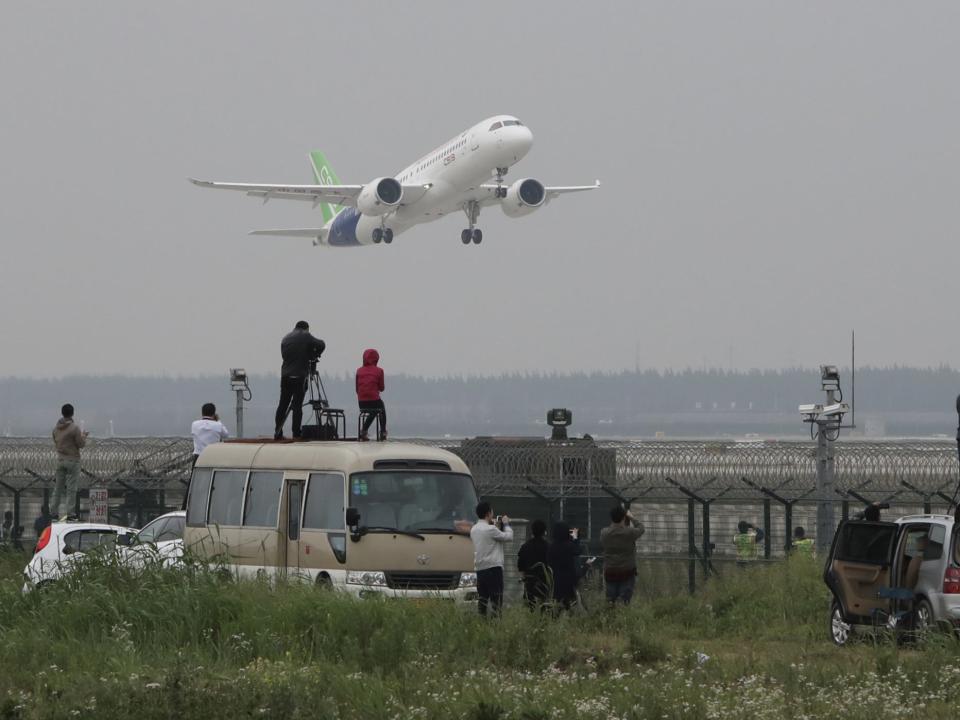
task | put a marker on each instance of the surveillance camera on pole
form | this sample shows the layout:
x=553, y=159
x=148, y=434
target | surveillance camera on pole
x=240, y=385
x=825, y=421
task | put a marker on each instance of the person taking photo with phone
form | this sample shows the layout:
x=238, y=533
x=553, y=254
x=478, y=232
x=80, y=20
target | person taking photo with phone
x=488, y=537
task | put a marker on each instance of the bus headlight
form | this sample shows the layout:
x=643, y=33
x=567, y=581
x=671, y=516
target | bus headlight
x=468, y=580
x=370, y=578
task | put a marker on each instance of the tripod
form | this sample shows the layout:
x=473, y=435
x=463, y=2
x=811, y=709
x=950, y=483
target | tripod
x=317, y=395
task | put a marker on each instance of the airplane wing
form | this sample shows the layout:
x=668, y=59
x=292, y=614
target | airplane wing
x=343, y=195
x=333, y=194
x=552, y=191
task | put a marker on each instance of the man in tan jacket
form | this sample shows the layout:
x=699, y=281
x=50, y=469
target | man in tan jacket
x=68, y=439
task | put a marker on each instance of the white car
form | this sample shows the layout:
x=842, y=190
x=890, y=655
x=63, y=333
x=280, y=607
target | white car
x=62, y=544
x=160, y=539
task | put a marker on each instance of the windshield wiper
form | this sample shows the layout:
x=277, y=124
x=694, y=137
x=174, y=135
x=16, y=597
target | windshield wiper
x=383, y=528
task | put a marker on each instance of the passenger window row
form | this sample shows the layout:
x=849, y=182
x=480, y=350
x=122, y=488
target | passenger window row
x=252, y=499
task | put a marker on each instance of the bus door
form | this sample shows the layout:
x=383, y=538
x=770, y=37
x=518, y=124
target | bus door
x=292, y=518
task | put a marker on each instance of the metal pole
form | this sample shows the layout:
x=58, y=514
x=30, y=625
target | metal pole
x=589, y=503
x=826, y=523
x=691, y=548
x=706, y=540
x=239, y=413
x=766, y=528
x=788, y=525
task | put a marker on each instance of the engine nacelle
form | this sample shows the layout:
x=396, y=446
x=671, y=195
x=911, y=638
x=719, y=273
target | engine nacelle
x=523, y=197
x=379, y=196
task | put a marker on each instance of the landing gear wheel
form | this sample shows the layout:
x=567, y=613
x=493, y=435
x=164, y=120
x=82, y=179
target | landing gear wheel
x=839, y=628
x=501, y=192
x=388, y=236
x=465, y=236
x=477, y=236
x=377, y=235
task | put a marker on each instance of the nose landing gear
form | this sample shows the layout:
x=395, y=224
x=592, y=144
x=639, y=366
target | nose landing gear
x=501, y=190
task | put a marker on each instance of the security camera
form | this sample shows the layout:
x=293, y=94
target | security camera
x=810, y=412
x=837, y=409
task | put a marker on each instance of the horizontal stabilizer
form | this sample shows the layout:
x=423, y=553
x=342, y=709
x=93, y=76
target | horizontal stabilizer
x=316, y=234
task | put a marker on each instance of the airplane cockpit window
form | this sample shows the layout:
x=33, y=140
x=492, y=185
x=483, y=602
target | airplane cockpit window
x=496, y=126
x=507, y=123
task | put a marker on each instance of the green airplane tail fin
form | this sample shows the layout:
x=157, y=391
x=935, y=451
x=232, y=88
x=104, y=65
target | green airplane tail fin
x=324, y=174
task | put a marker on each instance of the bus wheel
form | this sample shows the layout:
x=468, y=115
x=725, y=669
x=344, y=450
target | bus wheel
x=324, y=582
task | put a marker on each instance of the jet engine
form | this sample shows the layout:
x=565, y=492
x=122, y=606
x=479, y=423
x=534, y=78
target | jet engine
x=523, y=197
x=379, y=196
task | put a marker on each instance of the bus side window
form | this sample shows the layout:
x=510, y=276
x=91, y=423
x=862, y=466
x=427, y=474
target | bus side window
x=325, y=509
x=226, y=497
x=263, y=499
x=199, y=494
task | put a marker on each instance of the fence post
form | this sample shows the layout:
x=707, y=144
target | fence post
x=766, y=528
x=788, y=525
x=845, y=509
x=691, y=548
x=706, y=540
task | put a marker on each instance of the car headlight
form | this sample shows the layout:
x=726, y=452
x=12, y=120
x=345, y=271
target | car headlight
x=468, y=580
x=370, y=578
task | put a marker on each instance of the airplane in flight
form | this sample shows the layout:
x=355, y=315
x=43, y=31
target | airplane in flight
x=453, y=178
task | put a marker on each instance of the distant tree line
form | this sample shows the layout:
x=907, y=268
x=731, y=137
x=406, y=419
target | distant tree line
x=615, y=403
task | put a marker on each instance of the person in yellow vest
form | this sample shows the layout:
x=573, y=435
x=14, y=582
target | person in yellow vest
x=746, y=541
x=802, y=545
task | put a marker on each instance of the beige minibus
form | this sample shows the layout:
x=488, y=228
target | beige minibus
x=371, y=519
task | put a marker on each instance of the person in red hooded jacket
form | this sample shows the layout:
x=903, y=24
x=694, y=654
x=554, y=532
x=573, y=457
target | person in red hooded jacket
x=369, y=387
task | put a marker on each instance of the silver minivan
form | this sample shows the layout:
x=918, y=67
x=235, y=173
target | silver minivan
x=903, y=575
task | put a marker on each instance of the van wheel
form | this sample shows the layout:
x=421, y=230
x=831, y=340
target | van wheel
x=839, y=628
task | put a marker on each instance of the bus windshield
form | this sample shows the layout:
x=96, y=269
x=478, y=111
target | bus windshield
x=414, y=501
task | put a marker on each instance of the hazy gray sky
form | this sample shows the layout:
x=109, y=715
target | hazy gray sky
x=774, y=174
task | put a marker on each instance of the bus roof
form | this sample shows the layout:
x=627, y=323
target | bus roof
x=346, y=457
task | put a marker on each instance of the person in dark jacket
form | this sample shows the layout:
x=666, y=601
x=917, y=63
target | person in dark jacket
x=42, y=521
x=562, y=559
x=298, y=348
x=369, y=386
x=532, y=564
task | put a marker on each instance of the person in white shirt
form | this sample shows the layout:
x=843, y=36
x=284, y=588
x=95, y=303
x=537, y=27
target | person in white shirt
x=488, y=538
x=206, y=431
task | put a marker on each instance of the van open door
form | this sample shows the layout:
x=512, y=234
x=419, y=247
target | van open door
x=860, y=565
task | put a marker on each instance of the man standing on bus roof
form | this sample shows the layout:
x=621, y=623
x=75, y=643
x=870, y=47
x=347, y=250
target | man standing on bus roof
x=488, y=538
x=298, y=349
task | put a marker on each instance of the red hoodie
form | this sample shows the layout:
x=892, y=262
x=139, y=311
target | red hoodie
x=369, y=377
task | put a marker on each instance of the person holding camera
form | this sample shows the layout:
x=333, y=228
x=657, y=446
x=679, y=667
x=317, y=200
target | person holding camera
x=619, y=541
x=746, y=541
x=207, y=430
x=299, y=349
x=562, y=559
x=532, y=564
x=488, y=537
x=68, y=439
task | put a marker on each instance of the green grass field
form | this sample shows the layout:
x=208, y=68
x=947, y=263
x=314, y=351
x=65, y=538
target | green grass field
x=188, y=644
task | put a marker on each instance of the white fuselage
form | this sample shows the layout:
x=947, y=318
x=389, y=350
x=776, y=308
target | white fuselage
x=453, y=171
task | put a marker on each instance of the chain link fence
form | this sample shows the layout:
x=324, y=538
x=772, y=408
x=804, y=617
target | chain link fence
x=689, y=495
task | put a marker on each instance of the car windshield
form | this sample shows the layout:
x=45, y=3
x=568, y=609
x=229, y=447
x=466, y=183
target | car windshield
x=414, y=501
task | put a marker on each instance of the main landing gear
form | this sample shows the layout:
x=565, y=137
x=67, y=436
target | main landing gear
x=382, y=235
x=472, y=233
